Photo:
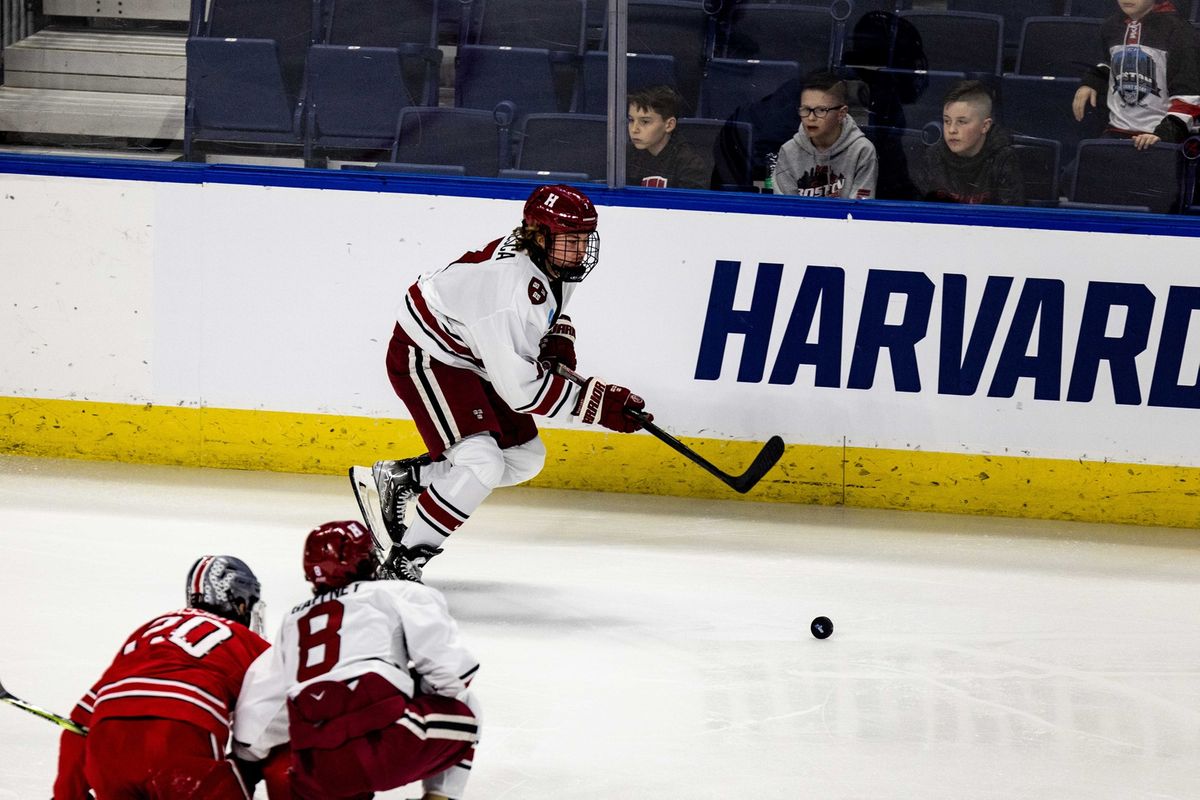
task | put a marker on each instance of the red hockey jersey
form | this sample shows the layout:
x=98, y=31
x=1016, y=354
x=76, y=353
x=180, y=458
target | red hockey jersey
x=187, y=665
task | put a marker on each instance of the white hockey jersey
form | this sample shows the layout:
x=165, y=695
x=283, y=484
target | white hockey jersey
x=368, y=626
x=487, y=312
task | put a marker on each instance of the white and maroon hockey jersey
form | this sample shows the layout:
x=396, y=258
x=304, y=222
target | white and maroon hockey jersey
x=487, y=312
x=366, y=627
x=187, y=665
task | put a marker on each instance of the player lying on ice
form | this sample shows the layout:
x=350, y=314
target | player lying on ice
x=474, y=357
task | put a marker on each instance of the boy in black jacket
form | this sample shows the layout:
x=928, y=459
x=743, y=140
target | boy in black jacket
x=1150, y=71
x=974, y=162
x=656, y=157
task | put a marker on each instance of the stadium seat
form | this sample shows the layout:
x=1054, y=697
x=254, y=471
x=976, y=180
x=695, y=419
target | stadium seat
x=1014, y=12
x=960, y=41
x=1062, y=47
x=773, y=32
x=292, y=24
x=731, y=142
x=563, y=143
x=485, y=76
x=682, y=29
x=730, y=83
x=641, y=72
x=1095, y=9
x=1041, y=107
x=408, y=26
x=476, y=140
x=555, y=25
x=236, y=92
x=926, y=91
x=1041, y=161
x=354, y=97
x=899, y=152
x=1113, y=174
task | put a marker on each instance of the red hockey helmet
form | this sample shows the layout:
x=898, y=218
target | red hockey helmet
x=567, y=219
x=338, y=553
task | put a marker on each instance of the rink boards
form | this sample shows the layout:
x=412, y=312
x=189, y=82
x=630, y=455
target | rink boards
x=1041, y=365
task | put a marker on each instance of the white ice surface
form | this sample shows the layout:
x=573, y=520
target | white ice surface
x=639, y=648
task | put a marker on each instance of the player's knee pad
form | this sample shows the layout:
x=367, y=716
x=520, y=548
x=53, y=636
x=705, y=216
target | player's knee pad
x=482, y=456
x=523, y=462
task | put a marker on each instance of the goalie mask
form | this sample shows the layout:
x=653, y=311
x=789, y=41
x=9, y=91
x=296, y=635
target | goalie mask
x=339, y=553
x=566, y=219
x=225, y=586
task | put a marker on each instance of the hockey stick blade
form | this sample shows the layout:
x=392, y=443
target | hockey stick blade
x=770, y=454
x=57, y=719
x=365, y=492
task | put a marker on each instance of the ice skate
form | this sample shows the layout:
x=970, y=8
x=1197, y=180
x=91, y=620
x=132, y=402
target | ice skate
x=408, y=563
x=395, y=483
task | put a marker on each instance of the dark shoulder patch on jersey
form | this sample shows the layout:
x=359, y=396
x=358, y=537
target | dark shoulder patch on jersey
x=537, y=291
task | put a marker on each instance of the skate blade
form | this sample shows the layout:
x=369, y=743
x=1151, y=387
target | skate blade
x=367, y=495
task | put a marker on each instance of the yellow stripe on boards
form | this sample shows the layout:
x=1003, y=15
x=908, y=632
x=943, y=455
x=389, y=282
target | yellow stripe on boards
x=601, y=461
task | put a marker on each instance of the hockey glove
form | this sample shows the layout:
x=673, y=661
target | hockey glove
x=558, y=345
x=605, y=404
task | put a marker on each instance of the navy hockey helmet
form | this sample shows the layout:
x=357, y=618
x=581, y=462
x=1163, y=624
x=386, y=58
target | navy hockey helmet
x=339, y=553
x=225, y=586
x=567, y=219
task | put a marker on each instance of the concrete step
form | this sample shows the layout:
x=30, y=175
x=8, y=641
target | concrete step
x=87, y=152
x=170, y=10
x=108, y=61
x=111, y=114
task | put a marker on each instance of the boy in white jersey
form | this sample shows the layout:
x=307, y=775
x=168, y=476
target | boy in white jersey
x=367, y=680
x=473, y=357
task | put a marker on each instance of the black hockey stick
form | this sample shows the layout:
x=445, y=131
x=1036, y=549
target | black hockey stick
x=61, y=721
x=770, y=454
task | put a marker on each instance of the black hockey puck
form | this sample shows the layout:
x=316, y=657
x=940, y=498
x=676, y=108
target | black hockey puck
x=821, y=627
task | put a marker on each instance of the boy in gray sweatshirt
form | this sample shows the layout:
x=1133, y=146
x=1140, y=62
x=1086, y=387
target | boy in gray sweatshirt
x=829, y=156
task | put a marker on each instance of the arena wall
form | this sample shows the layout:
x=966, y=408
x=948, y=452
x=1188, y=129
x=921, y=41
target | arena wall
x=1042, y=364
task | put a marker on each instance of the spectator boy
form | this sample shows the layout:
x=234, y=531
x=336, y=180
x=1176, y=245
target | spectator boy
x=974, y=162
x=656, y=157
x=1150, y=73
x=829, y=156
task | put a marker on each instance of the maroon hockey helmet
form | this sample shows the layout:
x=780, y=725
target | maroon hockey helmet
x=558, y=210
x=338, y=553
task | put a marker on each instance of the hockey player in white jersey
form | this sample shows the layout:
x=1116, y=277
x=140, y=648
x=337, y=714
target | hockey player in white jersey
x=473, y=357
x=367, y=680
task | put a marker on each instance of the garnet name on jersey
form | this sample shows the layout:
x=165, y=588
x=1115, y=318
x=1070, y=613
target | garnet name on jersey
x=969, y=334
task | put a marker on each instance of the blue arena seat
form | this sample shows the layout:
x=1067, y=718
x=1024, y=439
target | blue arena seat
x=1041, y=162
x=1014, y=12
x=960, y=41
x=1112, y=173
x=641, y=72
x=774, y=32
x=563, y=143
x=555, y=25
x=474, y=139
x=1041, y=107
x=407, y=26
x=899, y=151
x=292, y=24
x=485, y=76
x=1062, y=47
x=727, y=142
x=925, y=91
x=355, y=95
x=682, y=29
x=730, y=83
x=236, y=92
x=1096, y=9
